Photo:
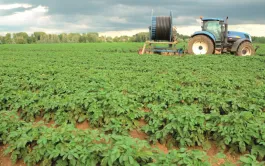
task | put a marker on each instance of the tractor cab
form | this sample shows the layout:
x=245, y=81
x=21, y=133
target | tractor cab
x=215, y=26
x=219, y=28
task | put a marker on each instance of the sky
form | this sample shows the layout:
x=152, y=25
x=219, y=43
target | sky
x=126, y=17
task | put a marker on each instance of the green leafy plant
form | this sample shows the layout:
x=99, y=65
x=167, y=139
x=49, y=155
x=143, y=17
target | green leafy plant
x=250, y=160
x=184, y=101
x=183, y=157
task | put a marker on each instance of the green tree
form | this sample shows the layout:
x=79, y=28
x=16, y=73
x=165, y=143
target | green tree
x=83, y=38
x=141, y=37
x=116, y=39
x=64, y=38
x=37, y=35
x=92, y=37
x=73, y=37
x=258, y=39
x=8, y=39
x=2, y=38
x=21, y=38
x=109, y=39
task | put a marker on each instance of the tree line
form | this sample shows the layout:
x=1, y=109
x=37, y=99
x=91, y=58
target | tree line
x=93, y=37
x=42, y=37
x=258, y=39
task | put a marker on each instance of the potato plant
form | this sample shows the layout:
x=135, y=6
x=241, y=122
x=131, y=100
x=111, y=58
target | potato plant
x=183, y=102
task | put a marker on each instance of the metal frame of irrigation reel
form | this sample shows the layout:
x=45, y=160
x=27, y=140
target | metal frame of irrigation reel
x=162, y=39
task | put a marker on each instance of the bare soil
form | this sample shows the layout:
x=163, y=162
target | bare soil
x=213, y=151
x=161, y=147
x=49, y=124
x=138, y=134
x=142, y=122
x=6, y=160
x=83, y=126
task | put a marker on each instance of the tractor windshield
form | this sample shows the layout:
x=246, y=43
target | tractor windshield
x=213, y=27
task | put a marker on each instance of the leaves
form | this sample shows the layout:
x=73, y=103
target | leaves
x=91, y=147
x=250, y=160
x=187, y=101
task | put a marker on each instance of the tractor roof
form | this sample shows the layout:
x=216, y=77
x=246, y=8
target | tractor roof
x=212, y=19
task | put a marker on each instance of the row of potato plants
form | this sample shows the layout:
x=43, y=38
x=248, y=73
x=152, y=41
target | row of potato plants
x=186, y=126
x=66, y=145
x=190, y=99
x=37, y=144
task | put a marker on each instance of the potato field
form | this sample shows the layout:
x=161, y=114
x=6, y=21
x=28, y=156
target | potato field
x=105, y=105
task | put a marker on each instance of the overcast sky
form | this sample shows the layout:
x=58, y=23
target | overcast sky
x=119, y=17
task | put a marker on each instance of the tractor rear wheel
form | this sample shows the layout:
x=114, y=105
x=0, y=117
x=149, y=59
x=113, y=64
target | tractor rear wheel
x=245, y=49
x=200, y=45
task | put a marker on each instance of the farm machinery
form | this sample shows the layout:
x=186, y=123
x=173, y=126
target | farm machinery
x=214, y=38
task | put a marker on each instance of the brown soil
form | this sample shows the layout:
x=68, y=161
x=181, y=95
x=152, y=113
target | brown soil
x=6, y=160
x=233, y=158
x=83, y=126
x=161, y=147
x=142, y=122
x=19, y=112
x=213, y=151
x=50, y=124
x=138, y=134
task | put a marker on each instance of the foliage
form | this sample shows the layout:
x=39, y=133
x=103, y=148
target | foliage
x=241, y=131
x=184, y=101
x=250, y=160
x=182, y=157
x=92, y=37
x=181, y=126
x=66, y=145
x=258, y=39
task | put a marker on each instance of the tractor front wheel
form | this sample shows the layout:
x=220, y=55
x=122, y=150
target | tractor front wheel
x=245, y=49
x=200, y=45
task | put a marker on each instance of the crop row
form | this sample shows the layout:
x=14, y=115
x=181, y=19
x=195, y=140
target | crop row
x=183, y=101
x=65, y=145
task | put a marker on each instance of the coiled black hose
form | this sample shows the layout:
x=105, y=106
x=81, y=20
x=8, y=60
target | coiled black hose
x=163, y=28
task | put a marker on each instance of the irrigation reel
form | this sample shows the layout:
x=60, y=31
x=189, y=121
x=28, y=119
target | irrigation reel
x=162, y=37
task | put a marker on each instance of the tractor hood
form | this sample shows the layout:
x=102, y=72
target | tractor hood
x=238, y=35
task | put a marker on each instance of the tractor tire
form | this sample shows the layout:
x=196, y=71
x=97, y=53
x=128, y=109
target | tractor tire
x=245, y=49
x=200, y=45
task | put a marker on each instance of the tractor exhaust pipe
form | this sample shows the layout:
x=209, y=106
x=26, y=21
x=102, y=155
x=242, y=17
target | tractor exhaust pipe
x=226, y=30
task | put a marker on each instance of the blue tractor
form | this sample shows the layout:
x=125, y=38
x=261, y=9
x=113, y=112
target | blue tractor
x=214, y=38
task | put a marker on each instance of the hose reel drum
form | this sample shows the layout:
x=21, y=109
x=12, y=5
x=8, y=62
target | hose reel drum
x=162, y=37
x=161, y=28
